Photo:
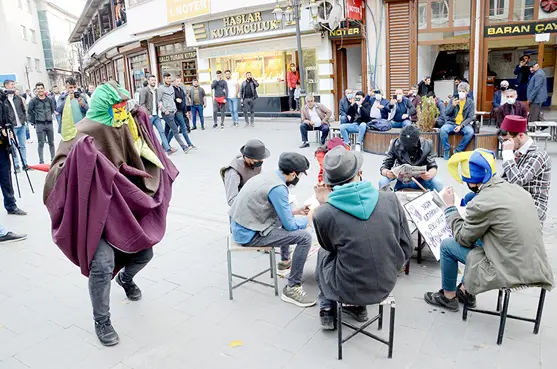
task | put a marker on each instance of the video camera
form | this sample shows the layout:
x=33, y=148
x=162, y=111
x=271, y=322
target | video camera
x=4, y=93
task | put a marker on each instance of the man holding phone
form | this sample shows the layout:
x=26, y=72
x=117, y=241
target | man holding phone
x=358, y=111
x=460, y=116
x=401, y=109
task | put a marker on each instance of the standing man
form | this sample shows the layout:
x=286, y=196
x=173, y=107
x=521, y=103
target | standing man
x=16, y=116
x=55, y=96
x=416, y=100
x=90, y=89
x=292, y=78
x=196, y=94
x=401, y=110
x=242, y=168
x=220, y=93
x=525, y=163
x=425, y=86
x=179, y=117
x=40, y=112
x=233, y=89
x=522, y=72
x=148, y=99
x=167, y=105
x=343, y=106
x=459, y=118
x=248, y=94
x=72, y=102
x=315, y=117
x=536, y=92
x=187, y=104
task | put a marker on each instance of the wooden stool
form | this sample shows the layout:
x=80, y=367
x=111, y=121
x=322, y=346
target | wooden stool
x=231, y=247
x=379, y=318
x=503, y=313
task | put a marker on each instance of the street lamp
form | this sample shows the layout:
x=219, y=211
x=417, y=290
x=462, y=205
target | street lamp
x=291, y=15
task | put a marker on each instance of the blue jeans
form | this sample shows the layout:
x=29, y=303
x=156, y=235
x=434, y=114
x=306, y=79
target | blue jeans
x=181, y=123
x=21, y=137
x=156, y=121
x=343, y=119
x=233, y=107
x=197, y=109
x=448, y=129
x=433, y=184
x=59, y=120
x=451, y=253
x=402, y=124
x=347, y=128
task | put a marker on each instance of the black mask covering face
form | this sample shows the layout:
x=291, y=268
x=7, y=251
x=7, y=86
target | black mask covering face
x=294, y=182
x=473, y=189
x=256, y=164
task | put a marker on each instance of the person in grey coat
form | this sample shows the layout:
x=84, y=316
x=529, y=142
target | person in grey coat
x=354, y=266
x=536, y=92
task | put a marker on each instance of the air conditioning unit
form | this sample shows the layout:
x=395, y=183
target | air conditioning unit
x=330, y=13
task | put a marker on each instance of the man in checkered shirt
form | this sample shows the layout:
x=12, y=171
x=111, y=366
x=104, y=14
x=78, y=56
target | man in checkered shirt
x=525, y=163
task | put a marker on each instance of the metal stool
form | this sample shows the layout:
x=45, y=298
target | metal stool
x=503, y=313
x=231, y=247
x=379, y=318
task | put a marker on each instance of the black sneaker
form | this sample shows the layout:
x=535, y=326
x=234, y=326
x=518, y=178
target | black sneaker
x=215, y=126
x=359, y=313
x=304, y=145
x=132, y=291
x=465, y=296
x=194, y=128
x=106, y=333
x=439, y=299
x=222, y=126
x=327, y=318
x=202, y=128
x=12, y=237
x=17, y=211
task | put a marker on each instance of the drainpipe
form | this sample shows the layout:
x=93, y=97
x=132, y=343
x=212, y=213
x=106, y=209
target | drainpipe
x=477, y=53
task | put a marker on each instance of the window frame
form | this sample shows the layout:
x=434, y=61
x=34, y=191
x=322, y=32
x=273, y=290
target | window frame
x=38, y=65
x=24, y=32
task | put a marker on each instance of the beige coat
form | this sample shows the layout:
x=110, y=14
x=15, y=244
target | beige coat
x=504, y=217
x=323, y=112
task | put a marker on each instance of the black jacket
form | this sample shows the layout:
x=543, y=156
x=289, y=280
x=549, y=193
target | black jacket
x=180, y=94
x=398, y=155
x=254, y=84
x=363, y=117
x=424, y=89
x=19, y=104
x=40, y=110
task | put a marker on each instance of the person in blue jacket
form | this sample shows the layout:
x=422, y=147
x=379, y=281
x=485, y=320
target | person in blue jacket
x=343, y=106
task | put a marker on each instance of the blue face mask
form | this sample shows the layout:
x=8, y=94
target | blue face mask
x=349, y=96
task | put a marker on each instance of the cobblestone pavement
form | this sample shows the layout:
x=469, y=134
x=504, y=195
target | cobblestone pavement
x=185, y=319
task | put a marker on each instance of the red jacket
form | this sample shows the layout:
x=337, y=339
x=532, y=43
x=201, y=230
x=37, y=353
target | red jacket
x=292, y=78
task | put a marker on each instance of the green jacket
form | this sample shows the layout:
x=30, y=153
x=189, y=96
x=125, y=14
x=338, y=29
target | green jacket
x=504, y=217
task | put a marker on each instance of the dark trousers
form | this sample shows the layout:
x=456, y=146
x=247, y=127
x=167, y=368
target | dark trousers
x=249, y=114
x=6, y=179
x=216, y=108
x=291, y=101
x=324, y=128
x=102, y=269
x=180, y=120
x=45, y=131
x=171, y=125
x=535, y=110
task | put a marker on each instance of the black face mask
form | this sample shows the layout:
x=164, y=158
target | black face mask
x=257, y=164
x=294, y=182
x=503, y=88
x=473, y=189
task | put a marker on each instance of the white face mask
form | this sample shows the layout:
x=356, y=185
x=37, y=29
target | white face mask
x=511, y=100
x=462, y=95
x=377, y=97
x=399, y=97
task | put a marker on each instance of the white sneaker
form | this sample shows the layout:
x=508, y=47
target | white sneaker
x=358, y=147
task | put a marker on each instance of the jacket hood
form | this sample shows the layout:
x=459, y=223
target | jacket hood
x=358, y=199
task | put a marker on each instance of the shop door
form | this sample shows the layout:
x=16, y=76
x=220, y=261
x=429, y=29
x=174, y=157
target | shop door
x=350, y=68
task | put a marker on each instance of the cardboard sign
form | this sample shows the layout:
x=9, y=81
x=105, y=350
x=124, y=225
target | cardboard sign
x=427, y=213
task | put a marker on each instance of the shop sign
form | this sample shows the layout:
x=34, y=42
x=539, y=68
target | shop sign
x=521, y=29
x=237, y=25
x=177, y=57
x=352, y=29
x=179, y=10
x=548, y=6
x=354, y=10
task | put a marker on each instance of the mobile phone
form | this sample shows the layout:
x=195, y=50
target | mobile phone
x=394, y=97
x=358, y=98
x=501, y=139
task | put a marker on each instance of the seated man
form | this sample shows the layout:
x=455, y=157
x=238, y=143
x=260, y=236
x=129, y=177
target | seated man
x=401, y=109
x=245, y=166
x=261, y=216
x=500, y=96
x=344, y=105
x=413, y=150
x=354, y=266
x=416, y=100
x=441, y=117
x=460, y=116
x=511, y=251
x=315, y=117
x=358, y=111
x=511, y=107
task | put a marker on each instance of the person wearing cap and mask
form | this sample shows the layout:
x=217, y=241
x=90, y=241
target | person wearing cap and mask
x=525, y=163
x=511, y=107
x=500, y=96
x=459, y=117
x=343, y=106
x=243, y=167
x=500, y=246
x=261, y=216
x=413, y=150
x=354, y=266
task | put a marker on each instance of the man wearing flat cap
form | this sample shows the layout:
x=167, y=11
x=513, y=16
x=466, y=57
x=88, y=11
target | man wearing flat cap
x=243, y=167
x=525, y=163
x=354, y=265
x=261, y=216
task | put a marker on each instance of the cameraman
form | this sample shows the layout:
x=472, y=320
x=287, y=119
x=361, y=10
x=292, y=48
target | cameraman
x=76, y=102
x=15, y=116
x=40, y=112
x=5, y=163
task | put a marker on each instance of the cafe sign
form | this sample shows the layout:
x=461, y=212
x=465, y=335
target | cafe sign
x=521, y=29
x=237, y=25
x=177, y=57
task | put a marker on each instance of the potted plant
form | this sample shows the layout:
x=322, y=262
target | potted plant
x=427, y=114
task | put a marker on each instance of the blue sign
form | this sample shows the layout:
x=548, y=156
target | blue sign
x=4, y=77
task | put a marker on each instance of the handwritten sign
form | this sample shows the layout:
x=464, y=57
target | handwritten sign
x=429, y=217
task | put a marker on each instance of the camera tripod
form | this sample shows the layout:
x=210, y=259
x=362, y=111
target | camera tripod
x=12, y=142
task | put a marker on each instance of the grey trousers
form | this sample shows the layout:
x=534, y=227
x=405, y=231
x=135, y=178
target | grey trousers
x=45, y=132
x=249, y=114
x=216, y=108
x=171, y=123
x=280, y=237
x=535, y=110
x=100, y=277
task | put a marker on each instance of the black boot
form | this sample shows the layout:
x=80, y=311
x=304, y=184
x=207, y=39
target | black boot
x=106, y=333
x=132, y=291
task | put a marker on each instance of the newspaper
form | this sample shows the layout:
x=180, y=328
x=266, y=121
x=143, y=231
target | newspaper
x=406, y=172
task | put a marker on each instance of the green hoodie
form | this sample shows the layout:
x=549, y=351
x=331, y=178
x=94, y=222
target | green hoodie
x=357, y=199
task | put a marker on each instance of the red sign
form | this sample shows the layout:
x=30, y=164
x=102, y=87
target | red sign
x=548, y=6
x=354, y=10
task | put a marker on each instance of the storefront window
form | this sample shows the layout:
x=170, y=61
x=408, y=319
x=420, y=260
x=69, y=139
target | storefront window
x=103, y=74
x=120, y=72
x=109, y=71
x=139, y=66
x=462, y=13
x=440, y=13
x=523, y=10
x=170, y=49
x=422, y=14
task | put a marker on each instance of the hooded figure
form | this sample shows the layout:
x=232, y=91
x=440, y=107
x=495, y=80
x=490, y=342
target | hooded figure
x=108, y=192
x=355, y=266
x=501, y=246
